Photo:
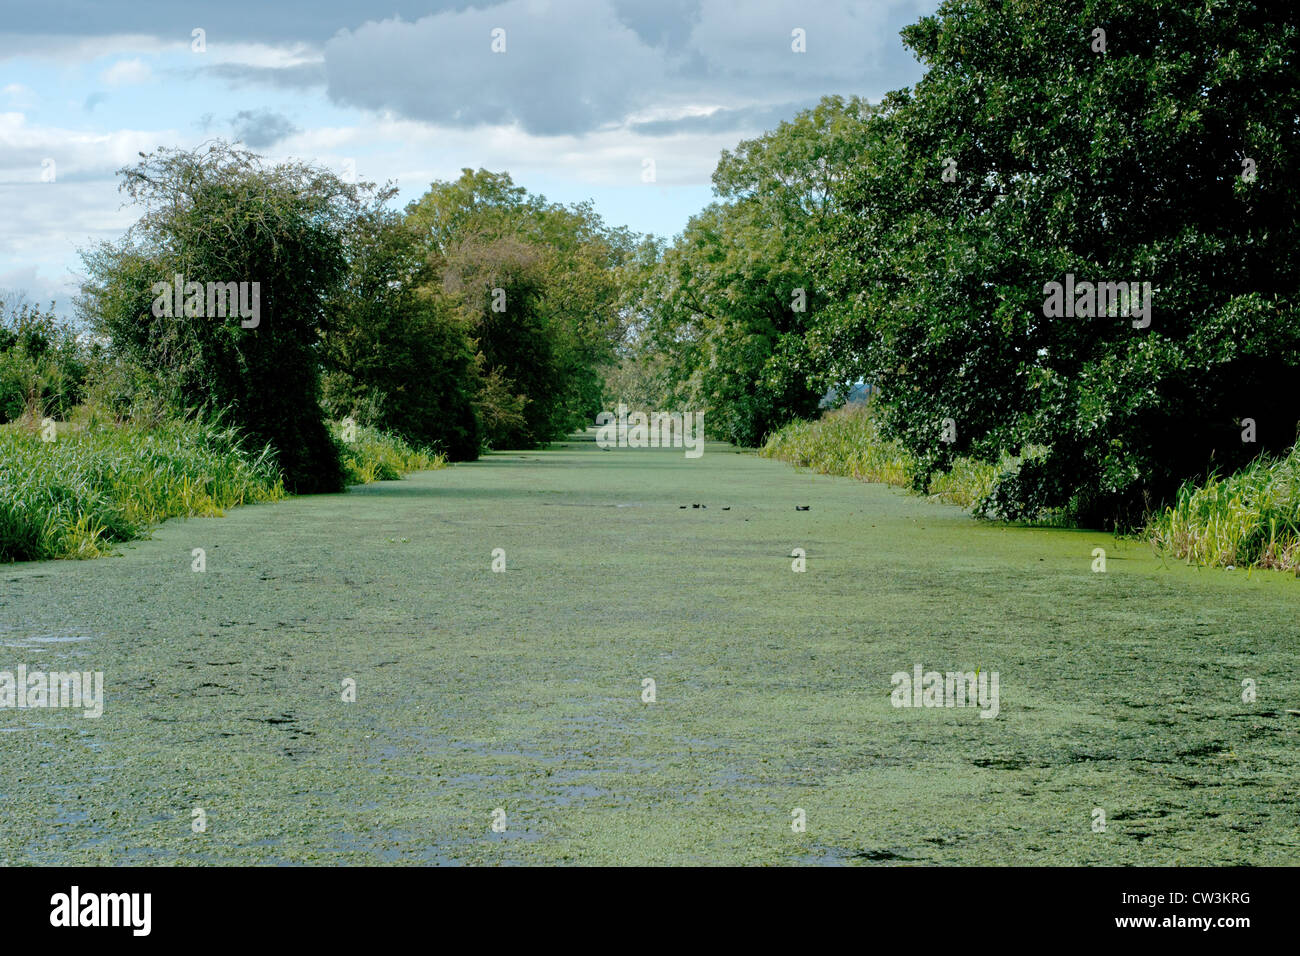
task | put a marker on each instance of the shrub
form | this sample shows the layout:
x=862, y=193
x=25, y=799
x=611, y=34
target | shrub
x=43, y=366
x=219, y=215
x=396, y=358
x=849, y=442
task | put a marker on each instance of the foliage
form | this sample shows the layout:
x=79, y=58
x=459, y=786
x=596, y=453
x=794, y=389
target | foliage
x=734, y=303
x=43, y=366
x=218, y=214
x=537, y=286
x=370, y=454
x=844, y=442
x=395, y=357
x=1249, y=519
x=849, y=442
x=1122, y=165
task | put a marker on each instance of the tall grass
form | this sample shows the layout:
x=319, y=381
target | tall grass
x=78, y=495
x=1250, y=519
x=98, y=484
x=372, y=455
x=847, y=442
x=843, y=442
x=970, y=481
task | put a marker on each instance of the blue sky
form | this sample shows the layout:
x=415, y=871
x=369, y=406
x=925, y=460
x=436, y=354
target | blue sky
x=584, y=93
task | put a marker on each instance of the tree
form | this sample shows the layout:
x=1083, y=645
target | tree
x=1115, y=159
x=736, y=303
x=43, y=365
x=218, y=215
x=536, y=285
x=396, y=357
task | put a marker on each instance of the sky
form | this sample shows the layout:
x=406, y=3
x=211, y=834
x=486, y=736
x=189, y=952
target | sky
x=623, y=102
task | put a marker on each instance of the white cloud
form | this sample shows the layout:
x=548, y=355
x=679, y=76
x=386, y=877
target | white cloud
x=414, y=153
x=18, y=97
x=127, y=73
x=263, y=55
x=45, y=223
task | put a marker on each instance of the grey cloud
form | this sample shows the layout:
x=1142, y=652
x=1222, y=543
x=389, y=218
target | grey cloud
x=667, y=23
x=301, y=76
x=568, y=67
x=261, y=128
x=226, y=21
x=725, y=120
x=574, y=67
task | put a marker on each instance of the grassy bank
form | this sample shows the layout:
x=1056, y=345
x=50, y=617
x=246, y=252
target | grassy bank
x=95, y=487
x=371, y=455
x=847, y=442
x=79, y=495
x=1250, y=519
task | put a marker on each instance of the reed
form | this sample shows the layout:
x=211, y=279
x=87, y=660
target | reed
x=1250, y=519
x=847, y=442
x=93, y=487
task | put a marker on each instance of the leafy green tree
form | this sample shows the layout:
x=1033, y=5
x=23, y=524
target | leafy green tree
x=1124, y=155
x=498, y=286
x=219, y=215
x=396, y=357
x=736, y=303
x=636, y=375
x=537, y=286
x=43, y=364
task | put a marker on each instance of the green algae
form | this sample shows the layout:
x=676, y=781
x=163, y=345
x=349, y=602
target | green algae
x=522, y=690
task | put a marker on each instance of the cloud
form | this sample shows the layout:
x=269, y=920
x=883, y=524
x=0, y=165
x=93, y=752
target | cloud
x=667, y=23
x=570, y=67
x=721, y=120
x=127, y=73
x=18, y=97
x=566, y=68
x=78, y=155
x=261, y=128
x=46, y=222
x=72, y=49
x=30, y=284
x=230, y=21
x=301, y=76
x=584, y=65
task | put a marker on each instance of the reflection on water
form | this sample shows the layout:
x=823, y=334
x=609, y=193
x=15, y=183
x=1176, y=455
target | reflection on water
x=25, y=639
